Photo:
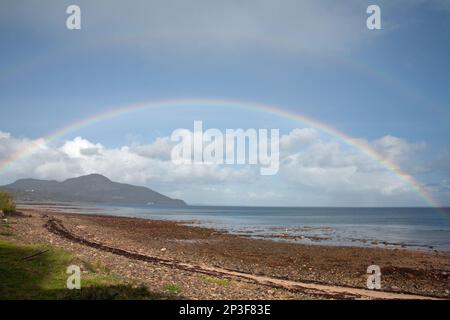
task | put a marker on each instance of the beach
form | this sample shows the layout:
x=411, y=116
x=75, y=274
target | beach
x=204, y=263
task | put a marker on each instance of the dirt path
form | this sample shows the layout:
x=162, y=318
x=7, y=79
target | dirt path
x=55, y=226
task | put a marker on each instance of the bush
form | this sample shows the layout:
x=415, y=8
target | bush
x=7, y=204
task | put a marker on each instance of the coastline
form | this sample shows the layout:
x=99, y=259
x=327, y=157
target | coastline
x=402, y=228
x=403, y=271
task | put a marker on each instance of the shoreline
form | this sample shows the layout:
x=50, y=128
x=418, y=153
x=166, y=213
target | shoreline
x=403, y=270
x=317, y=235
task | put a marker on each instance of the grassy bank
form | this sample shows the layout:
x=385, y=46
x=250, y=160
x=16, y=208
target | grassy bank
x=39, y=272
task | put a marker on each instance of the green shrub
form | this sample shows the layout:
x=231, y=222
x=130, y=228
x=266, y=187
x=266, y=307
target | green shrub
x=172, y=288
x=7, y=204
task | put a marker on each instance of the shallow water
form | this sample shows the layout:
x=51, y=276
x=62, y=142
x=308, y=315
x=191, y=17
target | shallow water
x=419, y=228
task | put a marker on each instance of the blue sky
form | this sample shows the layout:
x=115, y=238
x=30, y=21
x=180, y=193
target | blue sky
x=315, y=58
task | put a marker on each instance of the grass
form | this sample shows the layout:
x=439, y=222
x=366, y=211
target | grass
x=217, y=281
x=5, y=230
x=172, y=288
x=95, y=266
x=7, y=204
x=44, y=276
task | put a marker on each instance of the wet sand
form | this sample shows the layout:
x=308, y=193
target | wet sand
x=403, y=271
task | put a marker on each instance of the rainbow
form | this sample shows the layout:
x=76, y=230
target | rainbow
x=114, y=112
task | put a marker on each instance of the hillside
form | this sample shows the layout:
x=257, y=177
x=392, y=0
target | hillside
x=93, y=188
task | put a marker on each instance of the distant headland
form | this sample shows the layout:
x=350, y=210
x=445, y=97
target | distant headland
x=92, y=188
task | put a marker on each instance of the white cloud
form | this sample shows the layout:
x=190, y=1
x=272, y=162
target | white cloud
x=79, y=148
x=314, y=170
x=396, y=149
x=160, y=149
x=327, y=165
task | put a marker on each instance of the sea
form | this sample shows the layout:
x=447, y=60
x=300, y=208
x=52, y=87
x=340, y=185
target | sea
x=412, y=228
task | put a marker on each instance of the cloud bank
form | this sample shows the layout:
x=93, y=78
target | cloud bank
x=314, y=170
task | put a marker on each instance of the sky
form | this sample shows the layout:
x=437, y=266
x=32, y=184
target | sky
x=388, y=89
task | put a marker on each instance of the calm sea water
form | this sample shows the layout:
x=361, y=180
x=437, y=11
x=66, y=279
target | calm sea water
x=421, y=228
